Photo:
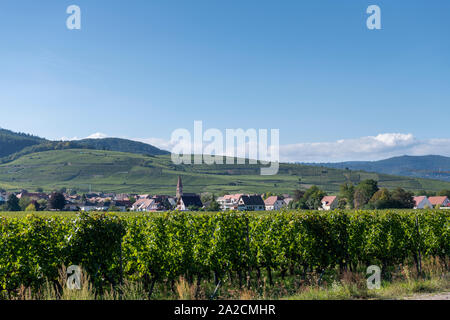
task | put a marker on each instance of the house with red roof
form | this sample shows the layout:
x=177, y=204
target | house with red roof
x=329, y=203
x=274, y=203
x=422, y=202
x=441, y=201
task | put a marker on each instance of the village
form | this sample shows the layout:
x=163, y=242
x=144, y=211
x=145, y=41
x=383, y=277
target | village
x=123, y=202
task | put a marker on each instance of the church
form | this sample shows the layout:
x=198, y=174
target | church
x=187, y=201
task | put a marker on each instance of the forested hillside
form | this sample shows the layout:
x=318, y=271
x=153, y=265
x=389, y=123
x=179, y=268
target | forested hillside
x=12, y=142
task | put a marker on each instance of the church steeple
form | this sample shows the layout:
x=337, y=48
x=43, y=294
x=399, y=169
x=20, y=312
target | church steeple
x=179, y=188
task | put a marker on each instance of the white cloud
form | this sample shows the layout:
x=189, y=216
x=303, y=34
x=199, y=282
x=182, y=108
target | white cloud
x=378, y=147
x=382, y=146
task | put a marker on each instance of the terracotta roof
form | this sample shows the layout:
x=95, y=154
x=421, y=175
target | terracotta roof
x=437, y=200
x=328, y=199
x=270, y=201
x=419, y=199
x=233, y=196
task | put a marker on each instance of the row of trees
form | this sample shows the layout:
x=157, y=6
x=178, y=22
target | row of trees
x=56, y=201
x=309, y=199
x=367, y=195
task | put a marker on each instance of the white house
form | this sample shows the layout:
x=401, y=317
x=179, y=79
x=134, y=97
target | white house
x=143, y=204
x=274, y=203
x=329, y=203
x=422, y=202
x=229, y=201
x=90, y=206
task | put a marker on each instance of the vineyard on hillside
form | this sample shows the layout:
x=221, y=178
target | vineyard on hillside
x=217, y=246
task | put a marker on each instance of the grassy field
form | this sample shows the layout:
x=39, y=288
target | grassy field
x=337, y=286
x=107, y=171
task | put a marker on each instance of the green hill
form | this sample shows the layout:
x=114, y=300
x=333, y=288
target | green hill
x=121, y=145
x=109, y=144
x=12, y=142
x=111, y=171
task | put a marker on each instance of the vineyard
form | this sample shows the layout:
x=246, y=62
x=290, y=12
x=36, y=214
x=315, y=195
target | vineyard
x=159, y=248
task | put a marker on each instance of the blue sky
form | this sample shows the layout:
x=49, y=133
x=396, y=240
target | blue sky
x=141, y=69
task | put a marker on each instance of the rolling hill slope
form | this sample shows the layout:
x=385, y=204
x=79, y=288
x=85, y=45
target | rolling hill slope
x=111, y=171
x=429, y=167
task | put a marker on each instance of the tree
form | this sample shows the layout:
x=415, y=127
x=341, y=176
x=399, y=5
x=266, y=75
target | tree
x=36, y=205
x=381, y=195
x=309, y=199
x=41, y=204
x=364, y=192
x=298, y=194
x=342, y=203
x=13, y=203
x=214, y=206
x=165, y=203
x=206, y=197
x=24, y=202
x=347, y=193
x=312, y=197
x=39, y=189
x=397, y=199
x=404, y=199
x=57, y=201
x=444, y=193
x=30, y=207
x=360, y=199
x=427, y=193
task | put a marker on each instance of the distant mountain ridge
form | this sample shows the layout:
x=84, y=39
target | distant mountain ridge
x=428, y=167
